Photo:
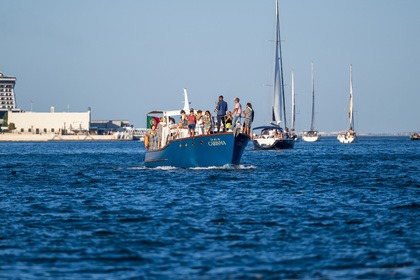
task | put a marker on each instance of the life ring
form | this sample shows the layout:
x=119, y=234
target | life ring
x=146, y=141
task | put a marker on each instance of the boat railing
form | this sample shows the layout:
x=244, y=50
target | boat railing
x=160, y=138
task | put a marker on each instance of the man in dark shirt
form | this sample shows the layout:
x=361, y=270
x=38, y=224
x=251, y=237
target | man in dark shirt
x=221, y=108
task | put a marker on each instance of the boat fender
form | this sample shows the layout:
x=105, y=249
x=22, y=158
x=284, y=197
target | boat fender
x=146, y=141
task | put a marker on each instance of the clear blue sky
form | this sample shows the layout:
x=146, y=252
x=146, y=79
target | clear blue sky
x=125, y=58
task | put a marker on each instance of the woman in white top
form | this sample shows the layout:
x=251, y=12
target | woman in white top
x=200, y=123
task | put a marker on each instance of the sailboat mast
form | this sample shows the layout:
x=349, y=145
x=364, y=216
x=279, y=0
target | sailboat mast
x=293, y=102
x=281, y=67
x=279, y=106
x=351, y=118
x=313, y=98
x=276, y=95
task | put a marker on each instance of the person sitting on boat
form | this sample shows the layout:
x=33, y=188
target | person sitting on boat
x=183, y=123
x=228, y=120
x=237, y=111
x=192, y=120
x=200, y=123
x=249, y=118
x=221, y=108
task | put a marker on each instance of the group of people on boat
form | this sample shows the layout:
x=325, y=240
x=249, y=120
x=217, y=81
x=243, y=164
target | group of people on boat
x=230, y=120
x=279, y=133
x=198, y=122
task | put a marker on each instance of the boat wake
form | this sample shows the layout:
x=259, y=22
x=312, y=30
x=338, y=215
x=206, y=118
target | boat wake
x=154, y=168
x=225, y=167
x=170, y=168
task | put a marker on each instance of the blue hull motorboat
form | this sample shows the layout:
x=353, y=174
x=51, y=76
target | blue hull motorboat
x=217, y=149
x=169, y=144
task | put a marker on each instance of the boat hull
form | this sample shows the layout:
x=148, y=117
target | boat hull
x=415, y=136
x=346, y=140
x=311, y=138
x=200, y=151
x=278, y=144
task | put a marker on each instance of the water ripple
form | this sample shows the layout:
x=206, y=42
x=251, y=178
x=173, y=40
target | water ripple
x=321, y=211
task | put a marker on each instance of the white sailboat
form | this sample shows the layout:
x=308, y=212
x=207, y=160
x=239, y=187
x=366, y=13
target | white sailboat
x=312, y=135
x=274, y=136
x=292, y=127
x=349, y=136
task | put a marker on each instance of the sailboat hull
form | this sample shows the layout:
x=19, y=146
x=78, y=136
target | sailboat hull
x=277, y=144
x=346, y=139
x=311, y=138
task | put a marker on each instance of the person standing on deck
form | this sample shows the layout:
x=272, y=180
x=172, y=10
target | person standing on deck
x=165, y=131
x=208, y=122
x=249, y=118
x=237, y=111
x=192, y=121
x=221, y=109
x=200, y=123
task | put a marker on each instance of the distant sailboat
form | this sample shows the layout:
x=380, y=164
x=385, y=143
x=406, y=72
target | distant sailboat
x=292, y=127
x=312, y=135
x=349, y=136
x=415, y=136
x=273, y=136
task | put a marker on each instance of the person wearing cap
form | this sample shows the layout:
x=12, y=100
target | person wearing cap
x=221, y=108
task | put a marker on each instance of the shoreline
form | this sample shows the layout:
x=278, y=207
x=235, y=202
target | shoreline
x=13, y=137
x=44, y=137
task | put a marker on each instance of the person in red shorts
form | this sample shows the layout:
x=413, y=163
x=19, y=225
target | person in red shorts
x=192, y=120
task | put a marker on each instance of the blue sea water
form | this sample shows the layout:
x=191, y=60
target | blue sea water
x=91, y=210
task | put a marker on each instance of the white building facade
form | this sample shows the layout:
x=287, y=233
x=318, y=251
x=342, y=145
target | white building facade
x=50, y=122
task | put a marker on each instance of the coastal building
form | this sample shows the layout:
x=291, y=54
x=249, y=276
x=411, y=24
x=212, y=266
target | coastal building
x=7, y=94
x=17, y=121
x=103, y=127
x=50, y=122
